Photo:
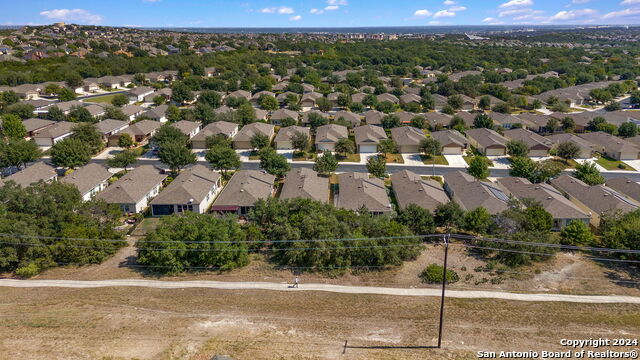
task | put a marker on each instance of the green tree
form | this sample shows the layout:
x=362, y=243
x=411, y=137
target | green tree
x=273, y=163
x=259, y=141
x=390, y=122
x=449, y=215
x=120, y=100
x=18, y=152
x=74, y=80
x=419, y=122
x=125, y=141
x=223, y=159
x=218, y=140
x=12, y=127
x=418, y=219
x=80, y=114
x=628, y=129
x=181, y=93
x=316, y=120
x=89, y=134
x=484, y=103
x=345, y=146
x=168, y=133
x=70, y=153
x=377, y=166
x=589, y=173
x=483, y=121
x=568, y=150
x=455, y=101
x=300, y=141
x=432, y=274
x=268, y=102
x=324, y=104
x=66, y=94
x=387, y=146
x=210, y=98
x=552, y=125
x=56, y=114
x=325, y=164
x=478, y=167
x=176, y=155
x=24, y=111
x=568, y=124
x=123, y=159
x=517, y=148
x=246, y=114
x=477, y=220
x=576, y=233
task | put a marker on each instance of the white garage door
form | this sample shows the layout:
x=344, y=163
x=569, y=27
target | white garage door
x=368, y=148
x=451, y=150
x=494, y=152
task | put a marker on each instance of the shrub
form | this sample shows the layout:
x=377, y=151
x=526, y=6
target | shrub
x=432, y=274
x=28, y=271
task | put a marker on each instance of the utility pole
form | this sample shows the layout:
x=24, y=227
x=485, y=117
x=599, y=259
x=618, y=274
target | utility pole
x=444, y=285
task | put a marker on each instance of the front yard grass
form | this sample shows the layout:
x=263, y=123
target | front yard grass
x=467, y=159
x=612, y=164
x=303, y=156
x=428, y=160
x=565, y=164
x=394, y=158
x=348, y=158
x=101, y=99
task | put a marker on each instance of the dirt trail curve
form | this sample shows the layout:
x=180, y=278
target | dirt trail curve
x=594, y=299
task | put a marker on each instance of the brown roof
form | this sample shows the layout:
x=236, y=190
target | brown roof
x=87, y=177
x=108, y=126
x=353, y=118
x=331, y=133
x=626, y=186
x=245, y=188
x=411, y=188
x=282, y=114
x=287, y=133
x=133, y=186
x=551, y=199
x=186, y=126
x=533, y=140
x=248, y=131
x=32, y=174
x=486, y=137
x=58, y=129
x=192, y=185
x=357, y=190
x=472, y=194
x=598, y=198
x=33, y=124
x=407, y=135
x=450, y=137
x=305, y=183
x=369, y=134
x=609, y=141
x=216, y=128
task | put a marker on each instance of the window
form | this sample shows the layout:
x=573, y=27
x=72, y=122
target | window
x=182, y=208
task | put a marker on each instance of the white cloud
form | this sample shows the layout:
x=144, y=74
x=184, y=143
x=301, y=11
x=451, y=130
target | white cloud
x=316, y=11
x=449, y=2
x=331, y=8
x=516, y=3
x=513, y=12
x=423, y=12
x=622, y=13
x=572, y=14
x=458, y=8
x=73, y=15
x=630, y=2
x=444, y=13
x=295, y=18
x=338, y=2
x=579, y=1
x=280, y=10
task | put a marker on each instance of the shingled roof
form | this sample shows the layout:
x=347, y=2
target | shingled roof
x=305, y=183
x=411, y=188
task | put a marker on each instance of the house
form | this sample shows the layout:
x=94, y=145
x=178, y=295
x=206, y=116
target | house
x=110, y=127
x=452, y=142
x=612, y=146
x=189, y=128
x=305, y=116
x=305, y=183
x=586, y=148
x=284, y=138
x=388, y=97
x=538, y=145
x=561, y=208
x=242, y=140
x=209, y=71
x=308, y=100
x=243, y=189
x=224, y=128
x=53, y=134
x=507, y=121
x=32, y=174
x=95, y=110
x=357, y=190
x=487, y=141
x=534, y=122
x=373, y=117
x=132, y=111
x=439, y=120
x=89, y=180
x=368, y=137
x=327, y=136
x=158, y=113
x=255, y=98
x=407, y=138
x=410, y=99
x=261, y=114
x=134, y=190
x=348, y=116
x=193, y=190
x=33, y=125
x=164, y=93
x=625, y=186
x=595, y=200
x=281, y=114
x=471, y=193
x=140, y=131
x=138, y=94
x=240, y=94
x=411, y=188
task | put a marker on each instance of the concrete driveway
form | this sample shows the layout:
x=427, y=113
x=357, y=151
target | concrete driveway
x=633, y=163
x=500, y=162
x=456, y=160
x=108, y=153
x=412, y=159
x=286, y=153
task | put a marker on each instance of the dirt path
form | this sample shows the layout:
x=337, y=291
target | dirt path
x=318, y=287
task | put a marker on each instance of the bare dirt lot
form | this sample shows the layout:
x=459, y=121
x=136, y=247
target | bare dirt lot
x=128, y=323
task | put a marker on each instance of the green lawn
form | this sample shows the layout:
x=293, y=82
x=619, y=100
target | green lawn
x=303, y=156
x=565, y=164
x=440, y=160
x=611, y=164
x=348, y=158
x=148, y=224
x=394, y=159
x=101, y=99
x=468, y=159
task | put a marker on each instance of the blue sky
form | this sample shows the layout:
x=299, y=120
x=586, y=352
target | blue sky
x=318, y=13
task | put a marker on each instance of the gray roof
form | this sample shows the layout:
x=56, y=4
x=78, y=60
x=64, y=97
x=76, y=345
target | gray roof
x=216, y=128
x=186, y=126
x=282, y=114
x=349, y=116
x=192, y=185
x=331, y=133
x=533, y=140
x=33, y=124
x=129, y=110
x=369, y=134
x=133, y=186
x=305, y=183
x=248, y=131
x=598, y=198
x=357, y=190
x=551, y=199
x=407, y=135
x=471, y=193
x=110, y=125
x=450, y=137
x=142, y=128
x=373, y=117
x=411, y=188
x=626, y=186
x=287, y=133
x=32, y=174
x=486, y=137
x=609, y=141
x=56, y=130
x=157, y=112
x=245, y=188
x=87, y=177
